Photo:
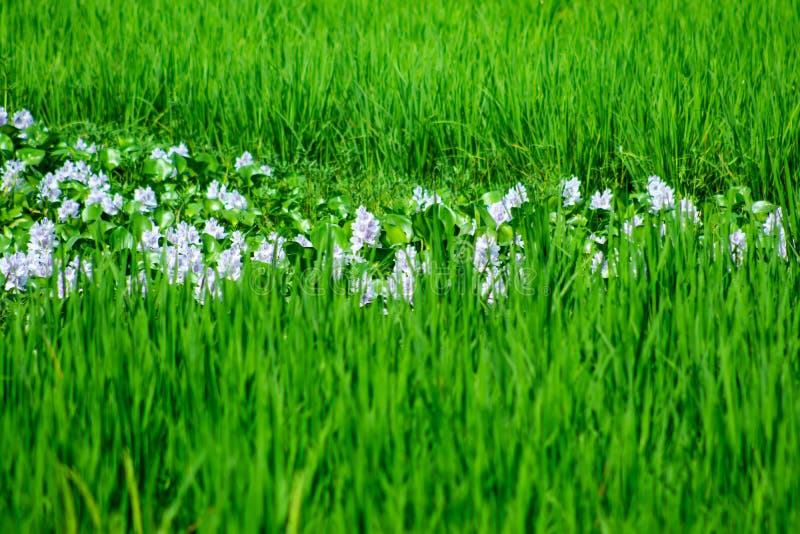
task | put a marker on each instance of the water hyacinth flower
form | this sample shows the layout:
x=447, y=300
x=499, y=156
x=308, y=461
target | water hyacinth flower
x=688, y=211
x=229, y=264
x=70, y=209
x=516, y=196
x=180, y=150
x=147, y=198
x=42, y=236
x=424, y=198
x=570, y=192
x=12, y=174
x=68, y=277
x=662, y=196
x=601, y=201
x=487, y=253
x=82, y=146
x=773, y=226
x=23, y=119
x=737, y=245
x=238, y=242
x=303, y=241
x=214, y=229
x=49, y=189
x=245, y=160
x=14, y=268
x=500, y=213
x=271, y=251
x=634, y=222
x=159, y=153
x=150, y=239
x=3, y=116
x=266, y=170
x=366, y=229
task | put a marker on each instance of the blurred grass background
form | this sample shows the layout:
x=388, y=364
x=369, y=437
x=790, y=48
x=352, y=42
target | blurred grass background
x=704, y=94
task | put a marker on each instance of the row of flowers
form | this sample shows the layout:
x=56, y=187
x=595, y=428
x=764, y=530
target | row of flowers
x=188, y=217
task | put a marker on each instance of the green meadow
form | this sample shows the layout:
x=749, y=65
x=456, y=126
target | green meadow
x=626, y=377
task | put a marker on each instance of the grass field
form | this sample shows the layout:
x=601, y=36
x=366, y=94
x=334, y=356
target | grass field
x=558, y=366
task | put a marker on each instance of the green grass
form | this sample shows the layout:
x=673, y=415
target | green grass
x=703, y=94
x=664, y=402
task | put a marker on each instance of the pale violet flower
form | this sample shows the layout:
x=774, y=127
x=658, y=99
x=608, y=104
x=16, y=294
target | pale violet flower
x=238, y=242
x=150, y=238
x=42, y=236
x=83, y=146
x=159, y=153
x=229, y=264
x=424, y=198
x=774, y=226
x=3, y=116
x=245, y=160
x=487, y=253
x=366, y=229
x=303, y=241
x=601, y=201
x=180, y=150
x=23, y=119
x=214, y=229
x=111, y=205
x=15, y=270
x=570, y=192
x=12, y=174
x=688, y=211
x=213, y=190
x=266, y=170
x=271, y=251
x=232, y=200
x=499, y=212
x=662, y=196
x=49, y=188
x=634, y=222
x=69, y=210
x=737, y=246
x=516, y=196
x=600, y=240
x=147, y=198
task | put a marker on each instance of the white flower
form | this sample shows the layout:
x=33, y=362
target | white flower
x=737, y=246
x=599, y=262
x=12, y=173
x=245, y=160
x=237, y=241
x=232, y=200
x=366, y=229
x=516, y=196
x=213, y=190
x=69, y=210
x=600, y=240
x=3, y=116
x=150, y=240
x=774, y=226
x=303, y=241
x=570, y=192
x=266, y=170
x=42, y=236
x=214, y=229
x=180, y=150
x=112, y=205
x=688, y=211
x=183, y=236
x=601, y=201
x=662, y=196
x=271, y=251
x=23, y=119
x=82, y=146
x=229, y=264
x=634, y=222
x=424, y=198
x=15, y=269
x=499, y=213
x=159, y=153
x=367, y=286
x=487, y=253
x=147, y=198
x=49, y=189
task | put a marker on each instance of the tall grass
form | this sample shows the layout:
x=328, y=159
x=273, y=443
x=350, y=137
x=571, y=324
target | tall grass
x=702, y=93
x=664, y=402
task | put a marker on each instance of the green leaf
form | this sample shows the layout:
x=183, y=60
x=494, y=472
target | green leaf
x=31, y=156
x=92, y=213
x=157, y=168
x=121, y=239
x=6, y=144
x=164, y=218
x=398, y=228
x=110, y=158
